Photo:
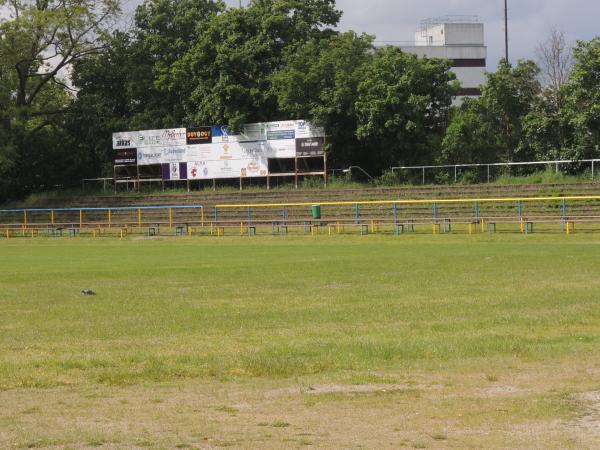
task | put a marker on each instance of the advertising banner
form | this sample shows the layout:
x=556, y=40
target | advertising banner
x=222, y=134
x=284, y=148
x=204, y=170
x=125, y=157
x=173, y=137
x=199, y=135
x=310, y=146
x=305, y=129
x=125, y=140
x=158, y=155
x=174, y=171
x=202, y=152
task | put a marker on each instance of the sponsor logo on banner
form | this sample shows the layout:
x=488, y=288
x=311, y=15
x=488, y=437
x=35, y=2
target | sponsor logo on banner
x=162, y=138
x=285, y=148
x=126, y=156
x=279, y=135
x=174, y=171
x=125, y=140
x=147, y=157
x=199, y=135
x=310, y=146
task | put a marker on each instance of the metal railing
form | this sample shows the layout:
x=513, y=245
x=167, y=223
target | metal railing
x=457, y=167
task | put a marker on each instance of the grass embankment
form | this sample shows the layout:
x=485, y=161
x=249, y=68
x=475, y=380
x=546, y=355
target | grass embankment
x=415, y=341
x=336, y=183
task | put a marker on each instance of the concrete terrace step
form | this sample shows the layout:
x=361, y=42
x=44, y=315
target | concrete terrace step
x=209, y=199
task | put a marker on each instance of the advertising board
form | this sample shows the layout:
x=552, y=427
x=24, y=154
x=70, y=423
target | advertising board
x=172, y=137
x=125, y=157
x=125, y=140
x=310, y=146
x=199, y=135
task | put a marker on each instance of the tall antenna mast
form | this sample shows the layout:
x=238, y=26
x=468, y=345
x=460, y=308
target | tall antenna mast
x=506, y=28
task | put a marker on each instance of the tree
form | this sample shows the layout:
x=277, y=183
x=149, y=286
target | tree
x=319, y=81
x=491, y=128
x=402, y=106
x=226, y=76
x=39, y=43
x=469, y=136
x=583, y=98
x=555, y=60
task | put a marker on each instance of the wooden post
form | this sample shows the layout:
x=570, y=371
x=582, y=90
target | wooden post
x=52, y=217
x=296, y=172
x=325, y=168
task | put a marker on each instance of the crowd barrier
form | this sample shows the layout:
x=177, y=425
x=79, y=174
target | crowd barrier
x=395, y=217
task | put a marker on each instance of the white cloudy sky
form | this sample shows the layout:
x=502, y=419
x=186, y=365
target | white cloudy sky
x=530, y=20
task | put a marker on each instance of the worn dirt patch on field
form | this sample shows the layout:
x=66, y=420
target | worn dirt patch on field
x=589, y=417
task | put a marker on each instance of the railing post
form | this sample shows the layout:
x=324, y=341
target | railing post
x=520, y=209
x=488, y=173
x=52, y=217
x=423, y=175
x=25, y=217
x=395, y=214
x=357, y=214
x=455, y=174
x=283, y=215
x=476, y=212
x=170, y=217
x=140, y=217
x=109, y=218
x=216, y=214
x=80, y=219
x=249, y=216
x=592, y=170
x=435, y=213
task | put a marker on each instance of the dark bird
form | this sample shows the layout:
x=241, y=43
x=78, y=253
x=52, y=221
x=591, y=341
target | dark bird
x=88, y=292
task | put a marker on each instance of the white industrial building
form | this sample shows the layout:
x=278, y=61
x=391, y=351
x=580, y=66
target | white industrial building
x=459, y=39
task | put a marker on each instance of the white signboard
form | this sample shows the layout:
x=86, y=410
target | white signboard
x=174, y=171
x=173, y=137
x=304, y=129
x=201, y=152
x=283, y=148
x=157, y=155
x=127, y=139
x=206, y=170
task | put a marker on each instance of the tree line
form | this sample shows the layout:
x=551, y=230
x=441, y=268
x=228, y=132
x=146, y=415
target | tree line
x=74, y=71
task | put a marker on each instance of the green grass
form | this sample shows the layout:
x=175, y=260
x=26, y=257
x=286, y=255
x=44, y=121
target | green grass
x=280, y=308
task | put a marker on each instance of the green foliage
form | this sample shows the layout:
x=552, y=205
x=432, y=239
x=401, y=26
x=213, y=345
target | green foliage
x=40, y=41
x=388, y=178
x=320, y=81
x=402, y=106
x=491, y=128
x=583, y=97
x=226, y=77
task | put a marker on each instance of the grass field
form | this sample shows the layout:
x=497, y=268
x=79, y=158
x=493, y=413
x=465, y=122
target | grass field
x=333, y=342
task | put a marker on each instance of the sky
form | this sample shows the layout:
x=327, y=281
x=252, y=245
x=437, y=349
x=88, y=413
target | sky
x=530, y=20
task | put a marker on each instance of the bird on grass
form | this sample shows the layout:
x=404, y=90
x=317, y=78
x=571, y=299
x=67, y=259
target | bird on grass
x=88, y=292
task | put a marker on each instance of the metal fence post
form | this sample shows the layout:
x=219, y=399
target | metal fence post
x=357, y=214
